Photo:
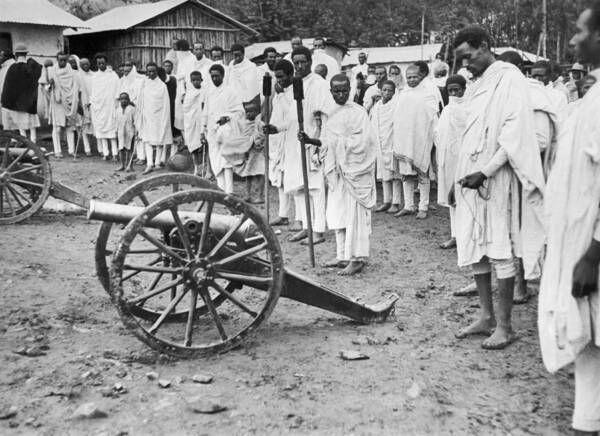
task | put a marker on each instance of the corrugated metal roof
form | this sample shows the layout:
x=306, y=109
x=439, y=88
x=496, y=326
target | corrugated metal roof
x=40, y=12
x=125, y=17
x=385, y=55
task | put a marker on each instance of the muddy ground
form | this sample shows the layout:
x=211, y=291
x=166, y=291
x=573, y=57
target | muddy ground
x=288, y=378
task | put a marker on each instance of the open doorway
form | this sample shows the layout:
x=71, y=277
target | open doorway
x=6, y=41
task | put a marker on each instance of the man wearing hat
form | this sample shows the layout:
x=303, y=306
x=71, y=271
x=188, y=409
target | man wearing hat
x=19, y=95
x=576, y=73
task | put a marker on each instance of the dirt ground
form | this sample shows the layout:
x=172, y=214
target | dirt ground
x=288, y=378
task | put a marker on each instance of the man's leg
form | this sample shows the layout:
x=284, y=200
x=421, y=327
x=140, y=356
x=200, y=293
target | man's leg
x=114, y=148
x=300, y=216
x=105, y=150
x=56, y=141
x=86, y=144
x=586, y=413
x=340, y=260
x=149, y=153
x=521, y=294
x=482, y=273
x=396, y=196
x=284, y=206
x=408, y=186
x=228, y=175
x=503, y=334
x=424, y=188
x=358, y=231
x=140, y=151
x=386, y=186
x=33, y=134
x=318, y=209
x=450, y=243
x=221, y=180
x=23, y=132
x=70, y=134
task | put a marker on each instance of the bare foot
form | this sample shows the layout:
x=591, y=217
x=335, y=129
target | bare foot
x=421, y=215
x=382, y=207
x=405, y=212
x=468, y=291
x=296, y=227
x=302, y=234
x=147, y=171
x=521, y=296
x=354, y=267
x=394, y=209
x=318, y=238
x=500, y=339
x=121, y=168
x=482, y=326
x=450, y=243
x=279, y=221
x=335, y=263
x=129, y=169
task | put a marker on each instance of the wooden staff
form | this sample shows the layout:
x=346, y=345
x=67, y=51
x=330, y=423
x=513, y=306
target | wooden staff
x=299, y=96
x=267, y=83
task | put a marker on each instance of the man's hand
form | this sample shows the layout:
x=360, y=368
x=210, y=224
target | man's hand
x=269, y=129
x=452, y=197
x=304, y=138
x=223, y=120
x=473, y=181
x=585, y=273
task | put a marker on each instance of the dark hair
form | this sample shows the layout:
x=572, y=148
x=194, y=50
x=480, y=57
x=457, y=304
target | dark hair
x=61, y=53
x=474, y=36
x=512, y=57
x=388, y=82
x=237, y=47
x=457, y=79
x=542, y=64
x=151, y=64
x=124, y=93
x=341, y=77
x=319, y=38
x=195, y=73
x=323, y=66
x=395, y=67
x=182, y=45
x=100, y=56
x=217, y=67
x=285, y=66
x=168, y=61
x=423, y=68
x=360, y=76
x=217, y=48
x=269, y=50
x=302, y=51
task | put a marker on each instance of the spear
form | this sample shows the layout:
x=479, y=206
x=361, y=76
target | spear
x=267, y=94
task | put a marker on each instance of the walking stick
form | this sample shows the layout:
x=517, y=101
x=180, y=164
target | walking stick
x=299, y=96
x=79, y=133
x=267, y=93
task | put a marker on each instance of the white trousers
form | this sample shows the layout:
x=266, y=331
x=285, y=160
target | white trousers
x=225, y=180
x=32, y=133
x=353, y=241
x=452, y=211
x=392, y=191
x=140, y=150
x=318, y=203
x=153, y=154
x=69, y=133
x=410, y=184
x=113, y=146
x=284, y=203
x=87, y=148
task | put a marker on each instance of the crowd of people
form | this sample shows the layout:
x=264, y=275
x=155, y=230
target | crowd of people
x=513, y=151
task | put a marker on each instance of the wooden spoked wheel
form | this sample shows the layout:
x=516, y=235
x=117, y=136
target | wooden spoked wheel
x=25, y=178
x=206, y=255
x=142, y=194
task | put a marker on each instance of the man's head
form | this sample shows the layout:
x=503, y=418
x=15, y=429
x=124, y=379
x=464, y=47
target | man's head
x=512, y=57
x=587, y=39
x=174, y=43
x=340, y=88
x=216, y=53
x=587, y=82
x=84, y=63
x=577, y=71
x=413, y=76
x=456, y=85
x=296, y=42
x=387, y=90
x=62, y=59
x=474, y=44
x=321, y=70
x=380, y=75
x=182, y=45
x=302, y=60
x=152, y=70
x=371, y=70
x=100, y=60
x=540, y=71
x=319, y=43
x=168, y=66
x=252, y=108
x=217, y=73
x=73, y=62
x=237, y=50
x=127, y=67
x=270, y=55
x=198, y=50
x=284, y=72
x=124, y=99
x=21, y=50
x=362, y=58
x=423, y=68
x=441, y=70
x=196, y=79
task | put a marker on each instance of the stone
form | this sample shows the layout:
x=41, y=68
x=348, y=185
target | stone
x=164, y=383
x=152, y=375
x=202, y=379
x=206, y=406
x=89, y=411
x=352, y=355
x=8, y=412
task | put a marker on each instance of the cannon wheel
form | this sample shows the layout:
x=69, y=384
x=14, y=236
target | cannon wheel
x=24, y=184
x=201, y=268
x=141, y=193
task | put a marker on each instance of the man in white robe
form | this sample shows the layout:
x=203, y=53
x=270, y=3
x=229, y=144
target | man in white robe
x=185, y=65
x=362, y=67
x=243, y=76
x=103, y=106
x=223, y=104
x=373, y=93
x=426, y=81
x=448, y=137
x=192, y=120
x=569, y=306
x=154, y=117
x=62, y=85
x=349, y=150
x=319, y=57
x=415, y=121
x=540, y=71
x=498, y=187
x=295, y=42
x=382, y=125
x=85, y=84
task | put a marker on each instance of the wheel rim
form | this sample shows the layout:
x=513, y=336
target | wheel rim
x=203, y=265
x=25, y=178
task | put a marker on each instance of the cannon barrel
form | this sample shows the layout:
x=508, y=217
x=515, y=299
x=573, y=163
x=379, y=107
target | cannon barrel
x=122, y=214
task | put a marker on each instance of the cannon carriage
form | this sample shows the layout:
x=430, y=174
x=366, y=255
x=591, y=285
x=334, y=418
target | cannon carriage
x=192, y=270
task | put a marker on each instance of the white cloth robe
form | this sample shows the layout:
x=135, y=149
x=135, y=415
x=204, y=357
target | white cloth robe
x=154, y=113
x=221, y=101
x=63, y=96
x=566, y=324
x=369, y=97
x=283, y=103
x=85, y=79
x=192, y=117
x=131, y=84
x=448, y=136
x=500, y=122
x=125, y=126
x=186, y=63
x=382, y=125
x=104, y=104
x=244, y=78
x=364, y=69
x=3, y=69
x=320, y=57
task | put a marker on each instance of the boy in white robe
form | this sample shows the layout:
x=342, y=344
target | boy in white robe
x=569, y=306
x=192, y=120
x=349, y=151
x=382, y=123
x=103, y=105
x=125, y=130
x=131, y=83
x=154, y=117
x=87, y=129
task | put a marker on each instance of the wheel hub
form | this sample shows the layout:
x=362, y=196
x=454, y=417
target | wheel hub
x=198, y=272
x=4, y=178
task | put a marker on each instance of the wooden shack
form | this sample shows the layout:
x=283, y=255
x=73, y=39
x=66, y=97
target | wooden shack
x=145, y=32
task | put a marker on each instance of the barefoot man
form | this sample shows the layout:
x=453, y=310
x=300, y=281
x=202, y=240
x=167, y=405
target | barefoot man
x=569, y=305
x=349, y=151
x=495, y=220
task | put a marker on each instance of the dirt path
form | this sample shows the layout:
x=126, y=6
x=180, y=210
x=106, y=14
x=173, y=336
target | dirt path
x=288, y=379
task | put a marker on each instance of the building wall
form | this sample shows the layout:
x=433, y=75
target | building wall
x=43, y=42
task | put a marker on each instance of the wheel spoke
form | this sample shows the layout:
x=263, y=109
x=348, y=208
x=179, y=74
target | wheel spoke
x=27, y=182
x=205, y=226
x=5, y=155
x=213, y=312
x=144, y=199
x=182, y=233
x=175, y=187
x=254, y=239
x=133, y=274
x=20, y=194
x=165, y=312
x=200, y=206
x=1, y=202
x=147, y=268
x=227, y=236
x=233, y=299
x=250, y=251
x=26, y=169
x=152, y=292
x=162, y=246
x=13, y=192
x=244, y=278
x=8, y=201
x=191, y=315
x=14, y=162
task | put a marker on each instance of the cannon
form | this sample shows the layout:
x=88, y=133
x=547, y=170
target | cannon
x=26, y=180
x=196, y=271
